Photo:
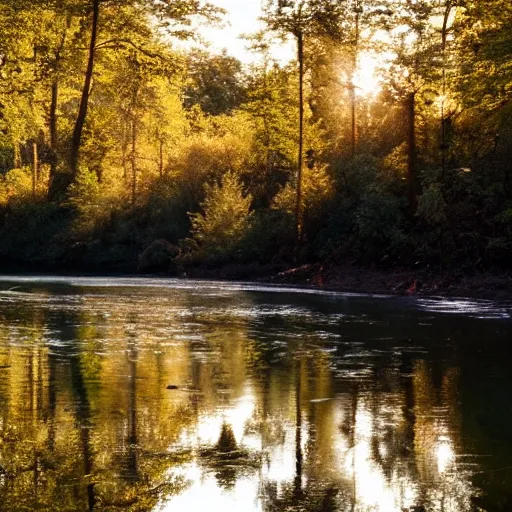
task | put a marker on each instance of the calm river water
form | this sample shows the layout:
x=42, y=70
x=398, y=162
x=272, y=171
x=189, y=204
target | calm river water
x=168, y=395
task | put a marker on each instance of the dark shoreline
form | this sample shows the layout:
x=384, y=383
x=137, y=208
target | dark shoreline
x=339, y=278
x=393, y=281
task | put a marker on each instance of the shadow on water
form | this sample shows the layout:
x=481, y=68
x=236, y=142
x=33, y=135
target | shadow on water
x=68, y=326
x=168, y=397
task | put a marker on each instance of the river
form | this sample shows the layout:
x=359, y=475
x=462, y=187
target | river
x=180, y=395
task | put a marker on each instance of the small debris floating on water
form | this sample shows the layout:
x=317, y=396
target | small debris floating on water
x=185, y=389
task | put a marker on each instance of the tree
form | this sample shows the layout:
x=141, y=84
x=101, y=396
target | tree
x=485, y=46
x=170, y=16
x=301, y=19
x=86, y=90
x=272, y=106
x=414, y=45
x=218, y=231
x=216, y=83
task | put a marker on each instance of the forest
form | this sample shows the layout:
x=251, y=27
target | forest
x=124, y=149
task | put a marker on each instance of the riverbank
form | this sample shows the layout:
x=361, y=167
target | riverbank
x=337, y=277
x=358, y=279
x=412, y=282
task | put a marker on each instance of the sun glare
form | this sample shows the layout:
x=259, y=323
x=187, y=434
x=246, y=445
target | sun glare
x=366, y=80
x=444, y=453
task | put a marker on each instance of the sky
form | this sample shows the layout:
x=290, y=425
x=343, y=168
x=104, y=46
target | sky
x=242, y=17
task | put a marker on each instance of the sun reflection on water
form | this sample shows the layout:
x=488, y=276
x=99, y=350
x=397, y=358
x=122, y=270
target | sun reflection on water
x=444, y=453
x=209, y=425
x=204, y=493
x=134, y=401
x=373, y=490
x=361, y=453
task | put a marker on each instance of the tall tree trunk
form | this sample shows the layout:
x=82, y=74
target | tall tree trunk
x=444, y=39
x=353, y=100
x=412, y=173
x=35, y=168
x=298, y=206
x=161, y=158
x=266, y=129
x=84, y=101
x=353, y=106
x=53, y=127
x=134, y=159
x=134, y=118
x=268, y=156
x=124, y=147
x=17, y=155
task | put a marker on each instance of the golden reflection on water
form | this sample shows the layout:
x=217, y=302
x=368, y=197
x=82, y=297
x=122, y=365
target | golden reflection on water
x=87, y=421
x=372, y=490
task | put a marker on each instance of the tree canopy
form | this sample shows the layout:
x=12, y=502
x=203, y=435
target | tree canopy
x=389, y=132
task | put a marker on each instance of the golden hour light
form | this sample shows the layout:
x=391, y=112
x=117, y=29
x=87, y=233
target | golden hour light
x=373, y=490
x=444, y=453
x=255, y=255
x=366, y=80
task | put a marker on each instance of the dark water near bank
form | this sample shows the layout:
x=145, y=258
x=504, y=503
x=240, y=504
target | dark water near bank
x=278, y=400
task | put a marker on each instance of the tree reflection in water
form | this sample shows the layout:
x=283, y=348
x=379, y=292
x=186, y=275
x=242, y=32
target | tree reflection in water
x=275, y=405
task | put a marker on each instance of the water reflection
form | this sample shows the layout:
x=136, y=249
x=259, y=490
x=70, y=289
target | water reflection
x=154, y=398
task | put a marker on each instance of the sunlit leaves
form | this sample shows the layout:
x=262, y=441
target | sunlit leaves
x=219, y=228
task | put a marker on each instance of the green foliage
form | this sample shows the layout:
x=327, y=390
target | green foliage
x=216, y=83
x=499, y=246
x=165, y=211
x=29, y=230
x=271, y=237
x=317, y=192
x=93, y=207
x=317, y=187
x=431, y=206
x=191, y=149
x=380, y=228
x=15, y=185
x=218, y=230
x=85, y=190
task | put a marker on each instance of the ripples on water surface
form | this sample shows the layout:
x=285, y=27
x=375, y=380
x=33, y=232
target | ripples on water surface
x=279, y=399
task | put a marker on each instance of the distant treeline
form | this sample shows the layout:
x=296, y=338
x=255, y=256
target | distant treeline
x=119, y=150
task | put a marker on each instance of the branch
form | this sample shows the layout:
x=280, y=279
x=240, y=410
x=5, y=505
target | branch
x=120, y=42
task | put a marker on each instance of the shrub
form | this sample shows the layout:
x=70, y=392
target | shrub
x=432, y=206
x=270, y=237
x=218, y=230
x=31, y=230
x=16, y=185
x=379, y=226
x=93, y=205
x=317, y=191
